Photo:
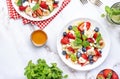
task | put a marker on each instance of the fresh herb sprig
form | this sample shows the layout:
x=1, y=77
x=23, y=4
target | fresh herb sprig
x=42, y=70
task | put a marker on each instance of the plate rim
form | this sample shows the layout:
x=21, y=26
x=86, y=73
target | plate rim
x=82, y=68
x=36, y=19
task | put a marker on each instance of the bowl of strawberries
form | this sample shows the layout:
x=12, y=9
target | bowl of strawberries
x=107, y=74
x=37, y=10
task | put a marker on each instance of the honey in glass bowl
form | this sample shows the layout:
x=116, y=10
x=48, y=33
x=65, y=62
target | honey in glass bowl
x=38, y=37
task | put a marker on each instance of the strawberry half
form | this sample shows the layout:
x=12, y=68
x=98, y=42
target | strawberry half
x=84, y=56
x=71, y=49
x=22, y=8
x=106, y=72
x=55, y=5
x=114, y=76
x=65, y=40
x=43, y=5
x=88, y=47
x=90, y=40
x=70, y=35
x=97, y=53
x=81, y=27
x=67, y=56
x=95, y=35
x=88, y=24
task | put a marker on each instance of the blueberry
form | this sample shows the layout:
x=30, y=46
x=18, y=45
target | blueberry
x=90, y=57
x=83, y=49
x=64, y=52
x=70, y=27
x=64, y=33
x=78, y=54
x=96, y=29
x=91, y=61
x=82, y=32
x=56, y=1
x=23, y=1
x=100, y=51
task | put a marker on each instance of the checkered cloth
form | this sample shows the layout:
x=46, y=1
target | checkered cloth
x=41, y=24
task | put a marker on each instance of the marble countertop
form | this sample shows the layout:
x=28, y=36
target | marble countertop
x=16, y=48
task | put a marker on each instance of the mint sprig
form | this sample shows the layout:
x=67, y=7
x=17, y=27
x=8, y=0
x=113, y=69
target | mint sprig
x=42, y=70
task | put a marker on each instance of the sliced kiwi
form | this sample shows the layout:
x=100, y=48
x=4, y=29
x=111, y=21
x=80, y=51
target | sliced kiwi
x=115, y=19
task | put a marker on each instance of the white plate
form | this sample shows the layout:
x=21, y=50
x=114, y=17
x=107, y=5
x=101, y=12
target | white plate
x=105, y=50
x=23, y=14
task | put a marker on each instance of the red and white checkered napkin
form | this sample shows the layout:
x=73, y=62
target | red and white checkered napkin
x=41, y=24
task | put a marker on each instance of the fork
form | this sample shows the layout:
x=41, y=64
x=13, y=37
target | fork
x=84, y=1
x=96, y=2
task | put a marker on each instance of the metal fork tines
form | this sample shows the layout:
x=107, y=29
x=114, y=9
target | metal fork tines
x=84, y=1
x=96, y=2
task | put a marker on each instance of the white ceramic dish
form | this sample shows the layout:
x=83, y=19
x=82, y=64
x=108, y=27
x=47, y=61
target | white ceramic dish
x=23, y=14
x=105, y=50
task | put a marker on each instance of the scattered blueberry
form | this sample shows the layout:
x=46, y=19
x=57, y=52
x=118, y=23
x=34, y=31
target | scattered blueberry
x=23, y=1
x=90, y=57
x=100, y=51
x=82, y=32
x=95, y=43
x=83, y=49
x=56, y=1
x=64, y=52
x=70, y=27
x=91, y=61
x=78, y=54
x=96, y=29
x=64, y=33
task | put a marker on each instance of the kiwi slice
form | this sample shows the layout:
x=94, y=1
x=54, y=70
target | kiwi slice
x=115, y=19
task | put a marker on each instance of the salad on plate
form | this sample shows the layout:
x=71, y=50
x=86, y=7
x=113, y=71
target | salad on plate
x=39, y=9
x=82, y=43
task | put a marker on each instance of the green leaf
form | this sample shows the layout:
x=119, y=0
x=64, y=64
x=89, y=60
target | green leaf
x=108, y=10
x=74, y=28
x=41, y=70
x=85, y=43
x=102, y=15
x=84, y=37
x=98, y=38
x=19, y=3
x=77, y=42
x=115, y=11
x=76, y=31
x=65, y=76
x=35, y=7
x=73, y=57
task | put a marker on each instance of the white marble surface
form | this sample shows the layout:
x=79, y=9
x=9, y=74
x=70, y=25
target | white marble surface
x=16, y=48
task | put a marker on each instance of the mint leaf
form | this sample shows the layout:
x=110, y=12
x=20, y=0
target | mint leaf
x=84, y=37
x=115, y=11
x=102, y=15
x=74, y=28
x=85, y=43
x=77, y=42
x=19, y=3
x=73, y=57
x=65, y=76
x=41, y=70
x=77, y=32
x=108, y=10
x=36, y=7
x=98, y=38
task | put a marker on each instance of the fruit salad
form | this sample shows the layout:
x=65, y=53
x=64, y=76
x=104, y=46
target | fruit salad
x=107, y=74
x=82, y=43
x=37, y=8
